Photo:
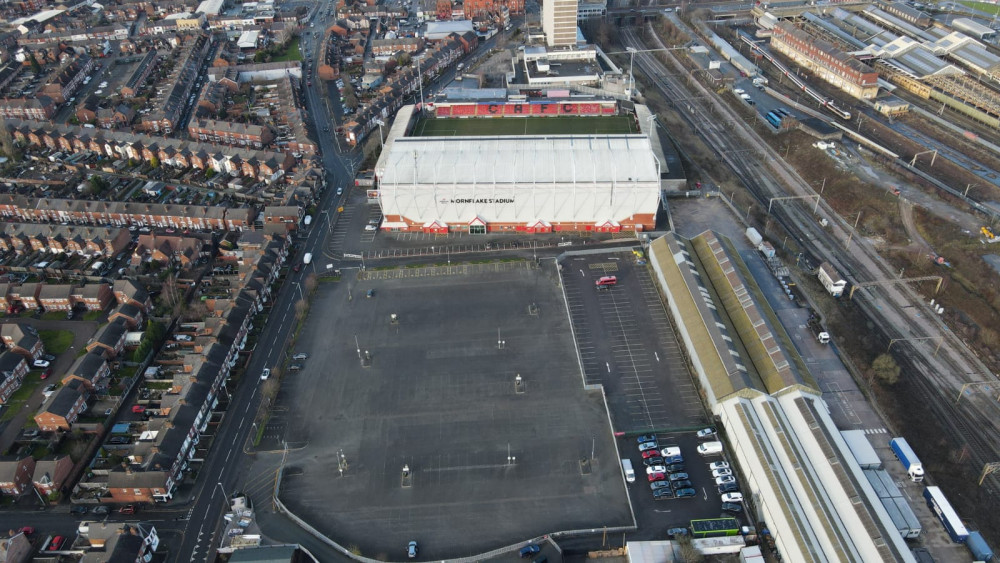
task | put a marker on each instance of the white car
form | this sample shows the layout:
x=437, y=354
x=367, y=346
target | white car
x=721, y=472
x=40, y=364
x=656, y=469
x=265, y=374
x=724, y=480
x=182, y=338
x=732, y=497
x=670, y=452
x=739, y=91
x=718, y=465
x=371, y=228
x=706, y=434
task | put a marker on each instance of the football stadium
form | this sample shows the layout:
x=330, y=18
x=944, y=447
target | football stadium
x=527, y=166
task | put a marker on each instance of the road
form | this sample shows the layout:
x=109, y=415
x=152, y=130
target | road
x=227, y=462
x=191, y=532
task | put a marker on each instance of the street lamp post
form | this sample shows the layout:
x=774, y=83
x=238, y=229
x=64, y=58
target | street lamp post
x=631, y=59
x=224, y=495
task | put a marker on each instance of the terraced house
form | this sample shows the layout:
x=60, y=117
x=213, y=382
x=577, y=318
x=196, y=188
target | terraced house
x=30, y=209
x=229, y=133
x=262, y=165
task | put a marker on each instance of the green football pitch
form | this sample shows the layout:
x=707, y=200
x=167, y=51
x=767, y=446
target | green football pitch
x=482, y=127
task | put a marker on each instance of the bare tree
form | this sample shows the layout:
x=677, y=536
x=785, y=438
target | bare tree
x=310, y=283
x=301, y=308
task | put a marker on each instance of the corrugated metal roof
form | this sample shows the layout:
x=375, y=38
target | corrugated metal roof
x=583, y=159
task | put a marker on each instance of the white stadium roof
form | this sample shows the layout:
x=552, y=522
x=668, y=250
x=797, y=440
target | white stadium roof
x=560, y=159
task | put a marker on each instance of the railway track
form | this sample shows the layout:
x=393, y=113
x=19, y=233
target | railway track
x=941, y=373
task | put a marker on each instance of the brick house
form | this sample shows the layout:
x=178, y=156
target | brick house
x=91, y=369
x=109, y=340
x=15, y=475
x=281, y=219
x=51, y=473
x=13, y=368
x=126, y=486
x=23, y=340
x=131, y=315
x=63, y=407
x=128, y=291
x=27, y=294
x=229, y=133
x=55, y=297
x=93, y=297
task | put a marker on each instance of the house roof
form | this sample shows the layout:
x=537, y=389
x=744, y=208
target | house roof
x=131, y=290
x=50, y=465
x=9, y=361
x=111, y=333
x=87, y=366
x=129, y=310
x=121, y=479
x=55, y=291
x=8, y=468
x=92, y=291
x=19, y=335
x=63, y=400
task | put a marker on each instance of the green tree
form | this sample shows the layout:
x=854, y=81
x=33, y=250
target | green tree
x=350, y=101
x=7, y=145
x=36, y=68
x=886, y=369
x=403, y=59
x=154, y=162
x=142, y=351
x=97, y=184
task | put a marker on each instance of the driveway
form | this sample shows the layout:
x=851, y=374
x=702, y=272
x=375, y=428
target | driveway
x=82, y=332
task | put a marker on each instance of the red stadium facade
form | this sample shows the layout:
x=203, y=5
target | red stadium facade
x=534, y=109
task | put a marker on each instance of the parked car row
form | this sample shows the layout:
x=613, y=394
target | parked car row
x=664, y=470
x=667, y=476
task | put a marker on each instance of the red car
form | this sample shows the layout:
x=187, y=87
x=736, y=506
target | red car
x=127, y=509
x=657, y=477
x=650, y=453
x=46, y=373
x=297, y=267
x=138, y=409
x=27, y=530
x=56, y=543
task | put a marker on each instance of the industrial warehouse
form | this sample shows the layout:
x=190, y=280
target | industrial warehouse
x=816, y=498
x=520, y=178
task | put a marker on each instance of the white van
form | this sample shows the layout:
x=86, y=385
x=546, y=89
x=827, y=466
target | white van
x=629, y=472
x=710, y=448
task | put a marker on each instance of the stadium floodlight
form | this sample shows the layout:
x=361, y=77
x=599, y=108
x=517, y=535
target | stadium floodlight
x=381, y=124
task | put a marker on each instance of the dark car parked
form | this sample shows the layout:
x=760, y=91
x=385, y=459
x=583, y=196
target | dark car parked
x=652, y=461
x=663, y=494
x=681, y=484
x=732, y=507
x=681, y=493
x=728, y=488
x=529, y=550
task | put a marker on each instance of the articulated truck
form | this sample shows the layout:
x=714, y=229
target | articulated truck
x=904, y=453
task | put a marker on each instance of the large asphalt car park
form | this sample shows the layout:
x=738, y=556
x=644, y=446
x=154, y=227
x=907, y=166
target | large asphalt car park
x=627, y=344
x=489, y=465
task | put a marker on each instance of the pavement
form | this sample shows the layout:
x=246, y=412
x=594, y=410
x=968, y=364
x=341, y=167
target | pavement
x=489, y=465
